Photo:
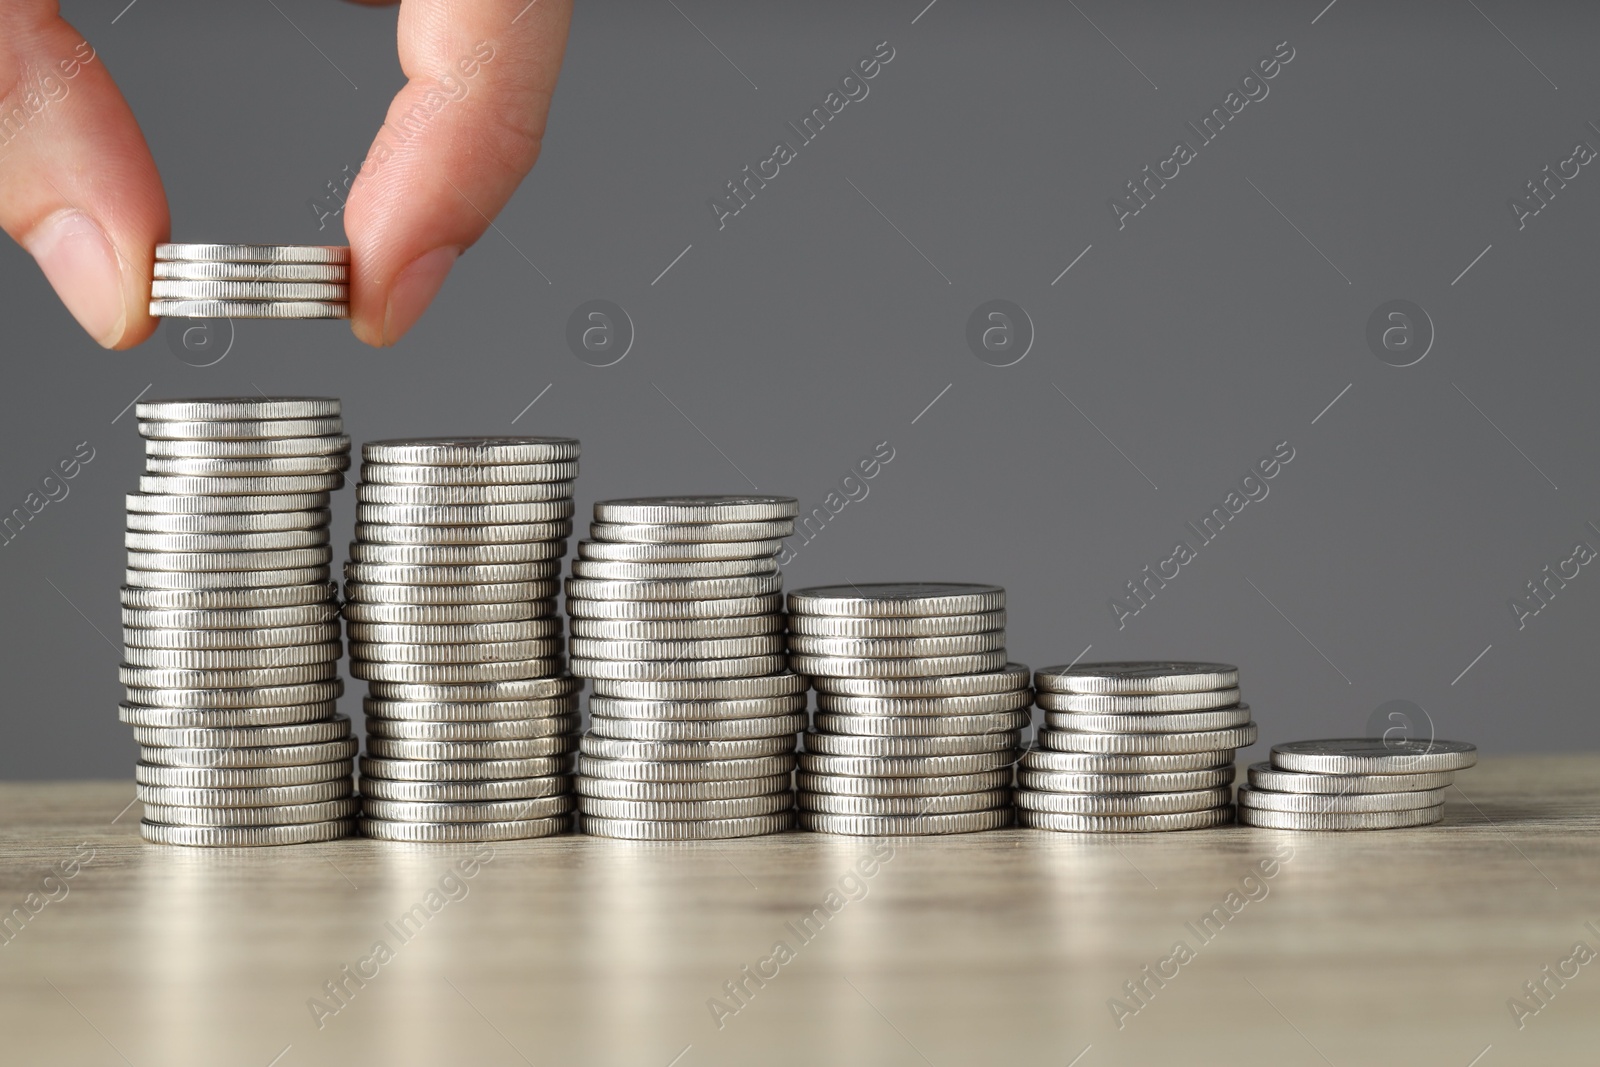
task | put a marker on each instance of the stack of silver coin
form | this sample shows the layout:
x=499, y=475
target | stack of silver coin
x=251, y=282
x=450, y=598
x=1134, y=747
x=677, y=618
x=231, y=626
x=919, y=715
x=1363, y=783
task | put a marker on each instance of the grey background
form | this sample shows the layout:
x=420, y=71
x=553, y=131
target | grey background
x=809, y=329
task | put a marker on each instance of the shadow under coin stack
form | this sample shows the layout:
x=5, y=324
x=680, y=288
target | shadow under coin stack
x=231, y=626
x=1134, y=747
x=251, y=282
x=1362, y=783
x=450, y=601
x=677, y=618
x=919, y=716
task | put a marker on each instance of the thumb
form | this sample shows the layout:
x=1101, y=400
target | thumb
x=78, y=188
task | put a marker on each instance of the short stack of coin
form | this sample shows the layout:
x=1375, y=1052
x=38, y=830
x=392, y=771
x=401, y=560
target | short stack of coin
x=1134, y=747
x=251, y=282
x=450, y=601
x=919, y=714
x=677, y=619
x=231, y=626
x=1362, y=783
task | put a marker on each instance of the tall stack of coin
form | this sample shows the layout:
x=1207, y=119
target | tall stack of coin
x=677, y=618
x=251, y=282
x=1362, y=783
x=919, y=715
x=231, y=626
x=450, y=600
x=1134, y=747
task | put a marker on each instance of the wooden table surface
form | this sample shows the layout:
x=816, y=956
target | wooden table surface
x=1404, y=947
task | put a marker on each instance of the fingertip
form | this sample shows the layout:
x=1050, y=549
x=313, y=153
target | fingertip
x=84, y=269
x=412, y=290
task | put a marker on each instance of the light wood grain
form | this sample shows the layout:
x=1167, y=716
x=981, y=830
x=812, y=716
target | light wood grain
x=1400, y=947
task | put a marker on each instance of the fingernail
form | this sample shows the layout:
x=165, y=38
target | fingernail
x=414, y=289
x=81, y=266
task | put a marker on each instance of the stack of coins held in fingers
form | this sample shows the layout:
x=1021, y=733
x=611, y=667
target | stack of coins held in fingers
x=1134, y=747
x=251, y=282
x=231, y=626
x=677, y=619
x=919, y=714
x=450, y=603
x=1361, y=783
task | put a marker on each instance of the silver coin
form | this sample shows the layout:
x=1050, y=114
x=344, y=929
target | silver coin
x=911, y=626
x=445, y=832
x=682, y=810
x=1266, y=776
x=844, y=804
x=774, y=685
x=252, y=272
x=646, y=552
x=459, y=634
x=234, y=253
x=1124, y=803
x=150, y=524
x=453, y=673
x=1125, y=824
x=246, y=836
x=260, y=797
x=922, y=725
x=219, y=699
x=462, y=574
x=666, y=510
x=1333, y=804
x=697, y=729
x=456, y=555
x=260, y=467
x=920, y=667
x=936, y=707
x=700, y=751
x=477, y=652
x=1009, y=678
x=719, y=568
x=312, y=594
x=165, y=289
x=1149, y=722
x=729, y=607
x=260, y=448
x=462, y=495
x=484, y=474
x=1041, y=759
x=390, y=714
x=467, y=792
x=623, y=789
x=1374, y=755
x=903, y=766
x=642, y=770
x=275, y=815
x=266, y=485
x=678, y=629
x=474, y=534
x=487, y=730
x=260, y=637
x=225, y=408
x=449, y=614
x=468, y=770
x=695, y=710
x=537, y=511
x=1158, y=704
x=881, y=600
x=192, y=504
x=690, y=533
x=496, y=593
x=959, y=822
x=518, y=749
x=897, y=647
x=1371, y=820
x=923, y=787
x=471, y=451
x=266, y=756
x=1146, y=744
x=468, y=811
x=217, y=562
x=1137, y=678
x=249, y=309
x=687, y=589
x=846, y=745
x=696, y=830
x=244, y=429
x=671, y=670
x=218, y=718
x=246, y=678
x=213, y=581
x=265, y=541
x=241, y=777
x=520, y=689
x=332, y=729
x=1147, y=782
